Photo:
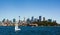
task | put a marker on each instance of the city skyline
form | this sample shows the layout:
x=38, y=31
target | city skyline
x=10, y=9
x=32, y=19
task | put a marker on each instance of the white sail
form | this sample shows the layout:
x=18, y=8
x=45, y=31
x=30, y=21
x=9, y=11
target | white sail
x=16, y=27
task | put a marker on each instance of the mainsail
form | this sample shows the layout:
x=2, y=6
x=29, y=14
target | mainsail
x=16, y=27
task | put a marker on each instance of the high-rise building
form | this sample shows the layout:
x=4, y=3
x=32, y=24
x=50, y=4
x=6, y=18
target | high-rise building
x=28, y=20
x=19, y=19
x=49, y=20
x=32, y=18
x=54, y=21
x=24, y=18
x=40, y=18
x=14, y=20
x=7, y=20
x=35, y=19
x=3, y=20
x=43, y=18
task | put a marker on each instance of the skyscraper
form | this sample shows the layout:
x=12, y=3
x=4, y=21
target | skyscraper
x=49, y=20
x=19, y=19
x=24, y=18
x=3, y=20
x=43, y=18
x=39, y=18
x=14, y=20
x=28, y=20
x=54, y=21
x=35, y=19
x=32, y=18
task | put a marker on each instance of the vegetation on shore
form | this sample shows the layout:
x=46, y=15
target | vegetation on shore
x=46, y=23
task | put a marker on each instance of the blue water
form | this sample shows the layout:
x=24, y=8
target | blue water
x=9, y=30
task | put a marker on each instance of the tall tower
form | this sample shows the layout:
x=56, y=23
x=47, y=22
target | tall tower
x=14, y=20
x=39, y=18
x=49, y=20
x=24, y=19
x=32, y=18
x=28, y=20
x=43, y=18
x=19, y=19
x=3, y=20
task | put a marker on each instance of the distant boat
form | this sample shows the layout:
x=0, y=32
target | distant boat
x=16, y=27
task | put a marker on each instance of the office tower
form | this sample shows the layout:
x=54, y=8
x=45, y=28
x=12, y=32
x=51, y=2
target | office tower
x=24, y=19
x=14, y=20
x=32, y=18
x=39, y=18
x=35, y=19
x=54, y=21
x=43, y=18
x=28, y=20
x=7, y=20
x=3, y=20
x=49, y=20
x=10, y=21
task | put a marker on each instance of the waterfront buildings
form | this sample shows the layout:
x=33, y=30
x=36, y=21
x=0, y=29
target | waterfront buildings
x=19, y=19
x=31, y=22
x=40, y=18
x=43, y=18
x=14, y=20
x=49, y=20
x=28, y=21
x=32, y=19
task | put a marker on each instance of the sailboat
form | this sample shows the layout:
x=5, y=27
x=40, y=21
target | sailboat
x=16, y=27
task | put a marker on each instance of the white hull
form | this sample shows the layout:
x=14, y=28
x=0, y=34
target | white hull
x=16, y=27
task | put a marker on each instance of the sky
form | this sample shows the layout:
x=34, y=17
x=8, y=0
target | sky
x=50, y=9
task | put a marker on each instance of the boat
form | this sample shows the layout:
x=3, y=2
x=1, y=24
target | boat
x=16, y=27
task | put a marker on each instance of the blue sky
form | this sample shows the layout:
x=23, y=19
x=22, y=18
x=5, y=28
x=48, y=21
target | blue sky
x=10, y=9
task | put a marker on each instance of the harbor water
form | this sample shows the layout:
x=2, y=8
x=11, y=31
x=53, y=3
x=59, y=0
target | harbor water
x=28, y=30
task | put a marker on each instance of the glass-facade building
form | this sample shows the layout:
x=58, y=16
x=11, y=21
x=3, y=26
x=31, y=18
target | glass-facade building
x=32, y=18
x=40, y=18
x=43, y=18
x=49, y=20
x=14, y=20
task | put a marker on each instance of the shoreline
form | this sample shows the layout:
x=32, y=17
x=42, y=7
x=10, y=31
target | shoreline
x=30, y=26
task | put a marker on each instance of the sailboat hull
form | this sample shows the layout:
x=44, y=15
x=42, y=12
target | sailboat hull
x=16, y=27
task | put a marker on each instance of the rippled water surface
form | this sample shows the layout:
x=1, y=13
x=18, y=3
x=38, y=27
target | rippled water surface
x=9, y=30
